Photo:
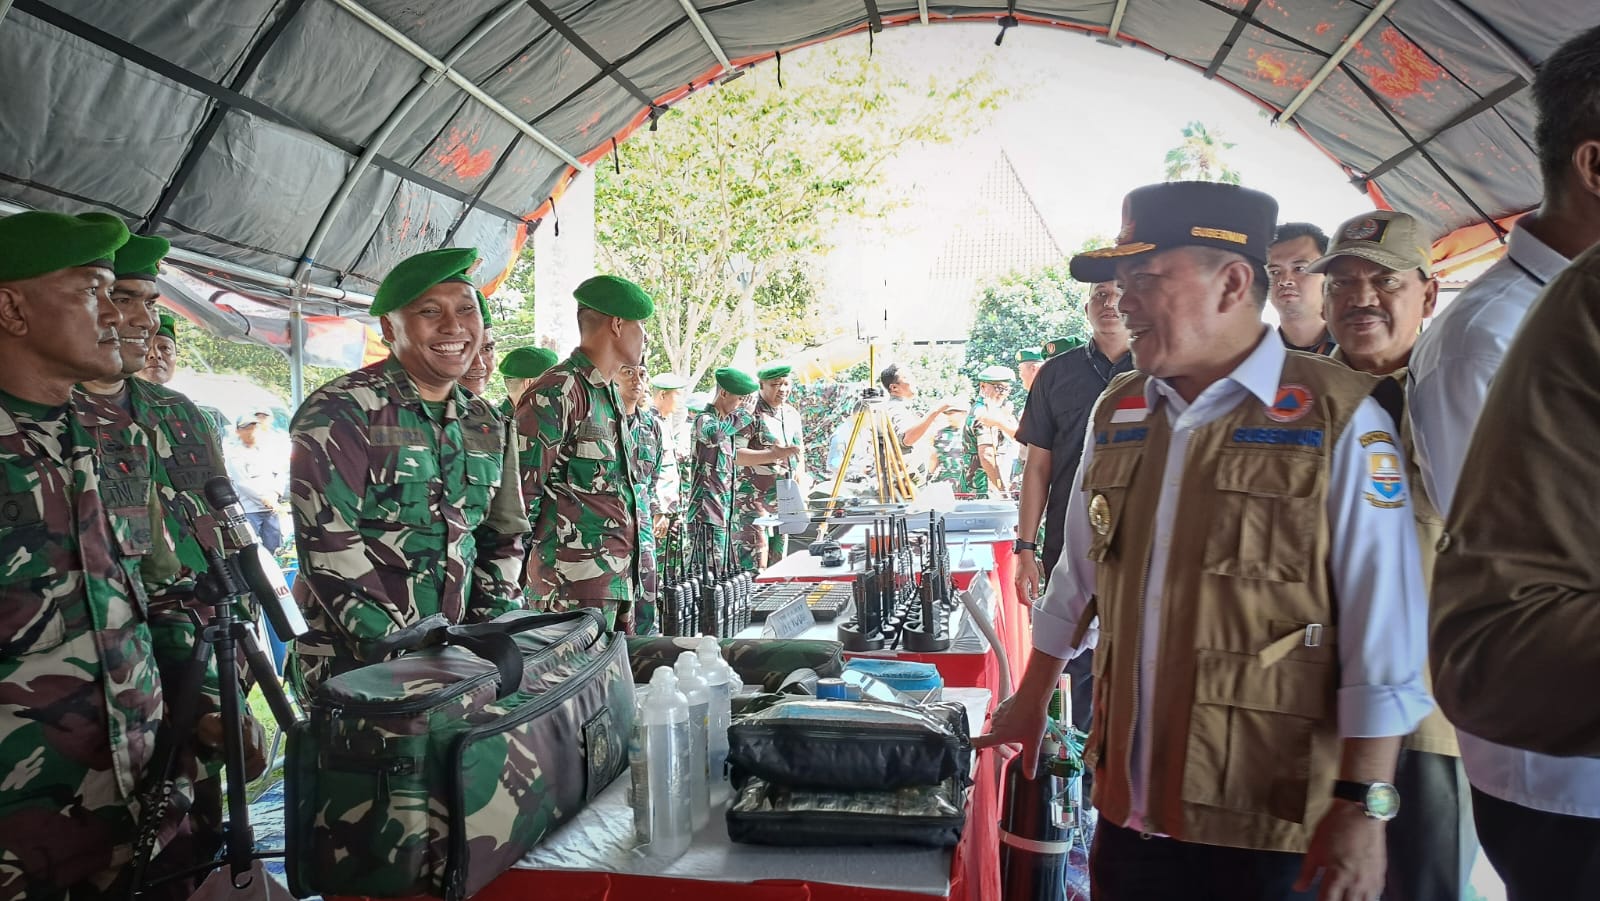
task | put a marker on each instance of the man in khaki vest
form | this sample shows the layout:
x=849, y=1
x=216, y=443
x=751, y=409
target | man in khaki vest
x=1243, y=541
x=1379, y=288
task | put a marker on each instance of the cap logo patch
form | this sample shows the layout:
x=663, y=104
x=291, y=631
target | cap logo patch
x=1366, y=230
x=1293, y=402
x=1219, y=234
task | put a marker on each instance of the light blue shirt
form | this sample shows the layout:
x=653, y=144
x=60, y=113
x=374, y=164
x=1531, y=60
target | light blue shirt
x=1451, y=368
x=1373, y=563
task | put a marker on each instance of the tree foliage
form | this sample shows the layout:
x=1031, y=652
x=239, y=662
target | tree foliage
x=730, y=201
x=1024, y=311
x=266, y=366
x=1199, y=156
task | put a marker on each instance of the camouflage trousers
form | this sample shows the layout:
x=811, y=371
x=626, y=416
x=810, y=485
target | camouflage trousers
x=757, y=547
x=644, y=613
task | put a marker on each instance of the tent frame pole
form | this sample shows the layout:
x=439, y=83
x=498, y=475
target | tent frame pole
x=1332, y=63
x=1113, y=30
x=706, y=35
x=398, y=38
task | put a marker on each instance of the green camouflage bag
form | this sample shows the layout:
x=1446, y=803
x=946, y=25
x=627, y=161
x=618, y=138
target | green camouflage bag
x=433, y=773
x=758, y=661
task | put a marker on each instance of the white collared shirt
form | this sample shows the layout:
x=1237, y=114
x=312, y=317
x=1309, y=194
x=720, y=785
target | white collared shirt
x=1373, y=561
x=1451, y=367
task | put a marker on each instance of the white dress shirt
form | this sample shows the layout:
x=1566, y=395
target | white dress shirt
x=1374, y=565
x=1451, y=368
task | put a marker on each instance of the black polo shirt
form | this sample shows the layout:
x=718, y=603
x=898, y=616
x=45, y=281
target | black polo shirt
x=1056, y=417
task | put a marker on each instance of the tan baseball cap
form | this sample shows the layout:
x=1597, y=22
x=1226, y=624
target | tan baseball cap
x=1392, y=240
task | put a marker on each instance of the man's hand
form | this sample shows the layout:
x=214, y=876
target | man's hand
x=1029, y=574
x=1348, y=850
x=1019, y=720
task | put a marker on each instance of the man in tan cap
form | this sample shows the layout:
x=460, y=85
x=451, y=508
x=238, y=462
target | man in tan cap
x=1241, y=555
x=1379, y=288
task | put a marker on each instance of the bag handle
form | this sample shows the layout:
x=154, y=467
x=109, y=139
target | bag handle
x=494, y=640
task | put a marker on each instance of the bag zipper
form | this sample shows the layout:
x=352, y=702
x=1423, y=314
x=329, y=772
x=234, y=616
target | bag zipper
x=456, y=866
x=417, y=705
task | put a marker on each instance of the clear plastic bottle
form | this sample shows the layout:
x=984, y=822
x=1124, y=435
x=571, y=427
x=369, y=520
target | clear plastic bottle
x=693, y=687
x=658, y=760
x=719, y=680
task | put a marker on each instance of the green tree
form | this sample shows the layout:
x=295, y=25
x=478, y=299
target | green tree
x=266, y=366
x=1199, y=156
x=722, y=209
x=1024, y=311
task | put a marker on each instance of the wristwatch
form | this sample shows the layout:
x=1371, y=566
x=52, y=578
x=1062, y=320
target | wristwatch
x=1379, y=800
x=1018, y=546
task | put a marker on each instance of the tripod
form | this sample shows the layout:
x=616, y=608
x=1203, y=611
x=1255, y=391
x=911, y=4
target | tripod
x=219, y=588
x=888, y=465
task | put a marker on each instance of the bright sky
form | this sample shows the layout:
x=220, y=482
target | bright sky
x=1086, y=123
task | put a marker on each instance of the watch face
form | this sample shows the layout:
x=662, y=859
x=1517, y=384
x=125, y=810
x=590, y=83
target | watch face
x=1383, y=801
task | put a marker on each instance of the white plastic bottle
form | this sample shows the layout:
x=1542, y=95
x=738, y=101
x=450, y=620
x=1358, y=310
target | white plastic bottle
x=719, y=679
x=694, y=689
x=658, y=760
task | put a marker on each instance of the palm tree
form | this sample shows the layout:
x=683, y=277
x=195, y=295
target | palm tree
x=1199, y=156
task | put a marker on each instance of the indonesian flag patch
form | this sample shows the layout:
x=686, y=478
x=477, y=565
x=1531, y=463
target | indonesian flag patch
x=1131, y=409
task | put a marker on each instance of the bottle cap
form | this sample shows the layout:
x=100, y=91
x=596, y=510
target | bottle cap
x=833, y=689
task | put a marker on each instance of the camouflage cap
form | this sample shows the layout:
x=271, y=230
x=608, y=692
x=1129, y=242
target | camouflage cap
x=735, y=382
x=1392, y=240
x=414, y=275
x=527, y=362
x=615, y=296
x=140, y=257
x=36, y=243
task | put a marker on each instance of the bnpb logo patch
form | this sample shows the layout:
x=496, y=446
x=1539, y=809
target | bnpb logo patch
x=1292, y=403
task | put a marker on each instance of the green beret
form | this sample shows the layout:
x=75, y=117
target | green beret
x=669, y=381
x=37, y=243
x=414, y=275
x=615, y=296
x=996, y=374
x=735, y=382
x=168, y=327
x=1060, y=346
x=141, y=256
x=1030, y=355
x=774, y=372
x=527, y=362
x=483, y=309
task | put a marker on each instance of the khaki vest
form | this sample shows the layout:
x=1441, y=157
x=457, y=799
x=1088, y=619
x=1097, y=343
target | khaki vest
x=1245, y=747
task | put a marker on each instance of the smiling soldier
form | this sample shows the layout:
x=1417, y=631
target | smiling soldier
x=404, y=486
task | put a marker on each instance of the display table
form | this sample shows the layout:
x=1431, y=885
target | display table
x=592, y=857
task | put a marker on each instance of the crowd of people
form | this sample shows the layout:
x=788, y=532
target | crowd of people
x=1245, y=532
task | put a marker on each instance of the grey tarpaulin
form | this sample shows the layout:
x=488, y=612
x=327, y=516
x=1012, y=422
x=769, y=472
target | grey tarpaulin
x=230, y=126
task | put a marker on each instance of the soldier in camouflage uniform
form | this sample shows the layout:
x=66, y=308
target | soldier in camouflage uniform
x=666, y=397
x=990, y=426
x=949, y=460
x=404, y=489
x=123, y=411
x=645, y=430
x=161, y=358
x=80, y=693
x=717, y=449
x=577, y=477
x=773, y=423
x=483, y=362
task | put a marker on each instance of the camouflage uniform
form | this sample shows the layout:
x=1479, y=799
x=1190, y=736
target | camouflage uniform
x=186, y=455
x=648, y=457
x=949, y=459
x=667, y=490
x=80, y=694
x=974, y=436
x=711, y=489
x=402, y=509
x=757, y=493
x=580, y=490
